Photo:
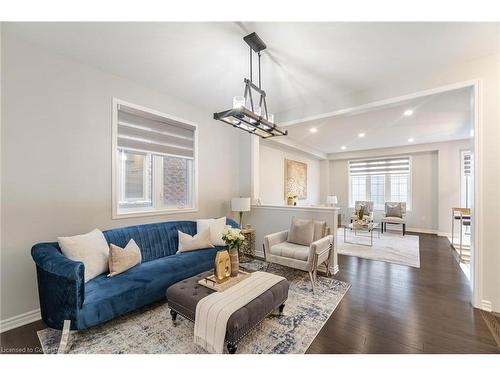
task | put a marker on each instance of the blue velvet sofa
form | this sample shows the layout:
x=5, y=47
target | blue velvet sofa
x=65, y=296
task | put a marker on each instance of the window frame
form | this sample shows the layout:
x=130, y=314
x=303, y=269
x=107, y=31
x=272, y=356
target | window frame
x=387, y=183
x=155, y=210
x=463, y=180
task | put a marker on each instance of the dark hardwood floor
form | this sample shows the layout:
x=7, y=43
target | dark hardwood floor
x=388, y=309
x=397, y=309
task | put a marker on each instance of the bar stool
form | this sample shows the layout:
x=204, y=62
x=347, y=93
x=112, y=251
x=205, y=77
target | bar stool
x=463, y=215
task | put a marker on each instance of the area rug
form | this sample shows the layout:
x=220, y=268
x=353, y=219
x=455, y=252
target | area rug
x=390, y=247
x=151, y=330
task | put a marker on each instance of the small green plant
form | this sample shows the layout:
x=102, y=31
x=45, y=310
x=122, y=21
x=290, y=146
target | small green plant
x=361, y=213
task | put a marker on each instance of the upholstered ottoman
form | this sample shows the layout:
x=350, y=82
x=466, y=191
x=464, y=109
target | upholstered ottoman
x=183, y=296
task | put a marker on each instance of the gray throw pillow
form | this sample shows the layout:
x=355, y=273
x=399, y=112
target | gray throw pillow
x=301, y=232
x=393, y=210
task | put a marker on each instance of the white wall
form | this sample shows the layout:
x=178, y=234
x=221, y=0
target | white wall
x=272, y=175
x=435, y=182
x=56, y=158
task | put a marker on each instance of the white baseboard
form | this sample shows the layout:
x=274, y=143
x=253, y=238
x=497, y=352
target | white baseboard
x=416, y=230
x=20, y=320
x=422, y=230
x=486, y=306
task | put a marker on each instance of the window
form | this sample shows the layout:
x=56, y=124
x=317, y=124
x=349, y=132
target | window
x=154, y=163
x=358, y=185
x=377, y=190
x=399, y=188
x=466, y=179
x=380, y=180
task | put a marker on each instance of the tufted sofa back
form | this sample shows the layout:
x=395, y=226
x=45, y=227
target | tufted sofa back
x=155, y=240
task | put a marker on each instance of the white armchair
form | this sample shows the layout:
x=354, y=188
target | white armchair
x=395, y=213
x=278, y=250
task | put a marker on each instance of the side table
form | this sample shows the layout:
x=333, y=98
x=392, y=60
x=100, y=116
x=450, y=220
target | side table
x=247, y=250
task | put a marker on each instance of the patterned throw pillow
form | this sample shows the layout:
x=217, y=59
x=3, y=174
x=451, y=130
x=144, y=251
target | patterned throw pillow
x=393, y=210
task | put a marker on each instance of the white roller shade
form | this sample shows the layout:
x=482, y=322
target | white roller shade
x=144, y=131
x=400, y=165
x=467, y=164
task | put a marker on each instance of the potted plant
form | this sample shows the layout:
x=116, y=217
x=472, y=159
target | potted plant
x=233, y=239
x=361, y=215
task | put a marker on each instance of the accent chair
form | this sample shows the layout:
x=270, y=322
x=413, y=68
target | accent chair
x=395, y=213
x=300, y=247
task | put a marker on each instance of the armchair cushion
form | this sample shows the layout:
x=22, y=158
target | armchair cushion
x=392, y=219
x=301, y=232
x=319, y=229
x=290, y=250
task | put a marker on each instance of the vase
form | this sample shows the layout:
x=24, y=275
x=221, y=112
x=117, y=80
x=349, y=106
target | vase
x=235, y=261
x=289, y=201
x=222, y=269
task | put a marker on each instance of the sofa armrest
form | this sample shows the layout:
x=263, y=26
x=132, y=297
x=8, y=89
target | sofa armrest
x=48, y=257
x=61, y=285
x=273, y=239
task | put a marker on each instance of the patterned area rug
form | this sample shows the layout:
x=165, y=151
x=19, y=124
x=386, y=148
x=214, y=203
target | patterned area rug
x=390, y=247
x=151, y=330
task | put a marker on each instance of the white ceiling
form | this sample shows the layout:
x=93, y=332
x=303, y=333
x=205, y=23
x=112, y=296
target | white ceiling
x=436, y=118
x=307, y=67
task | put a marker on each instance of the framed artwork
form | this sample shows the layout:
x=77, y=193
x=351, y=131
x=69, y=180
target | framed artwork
x=296, y=178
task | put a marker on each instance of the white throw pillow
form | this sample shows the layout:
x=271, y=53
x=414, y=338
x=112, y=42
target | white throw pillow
x=198, y=241
x=90, y=248
x=217, y=227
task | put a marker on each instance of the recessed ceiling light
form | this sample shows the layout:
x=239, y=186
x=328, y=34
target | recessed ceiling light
x=411, y=140
x=361, y=135
x=313, y=130
x=408, y=112
x=343, y=148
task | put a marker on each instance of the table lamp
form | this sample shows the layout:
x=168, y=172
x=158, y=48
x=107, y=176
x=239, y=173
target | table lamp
x=331, y=200
x=240, y=205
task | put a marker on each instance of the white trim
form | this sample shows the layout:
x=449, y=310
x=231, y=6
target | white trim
x=296, y=208
x=20, y=320
x=164, y=211
x=383, y=102
x=477, y=229
x=422, y=230
x=486, y=305
x=114, y=148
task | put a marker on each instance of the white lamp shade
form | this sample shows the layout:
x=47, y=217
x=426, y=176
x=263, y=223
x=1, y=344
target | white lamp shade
x=331, y=199
x=240, y=204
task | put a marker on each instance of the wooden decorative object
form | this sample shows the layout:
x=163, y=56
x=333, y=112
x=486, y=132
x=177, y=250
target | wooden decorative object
x=211, y=283
x=222, y=270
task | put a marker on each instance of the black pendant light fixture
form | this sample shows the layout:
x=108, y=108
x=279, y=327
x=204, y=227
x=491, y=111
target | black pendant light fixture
x=253, y=119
